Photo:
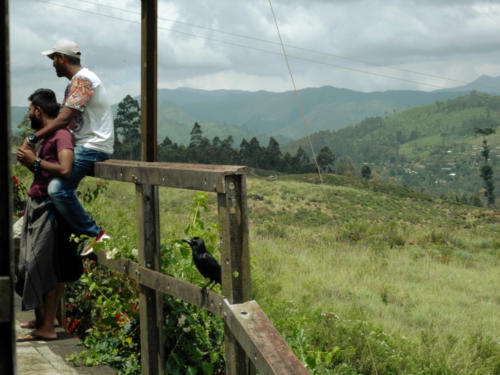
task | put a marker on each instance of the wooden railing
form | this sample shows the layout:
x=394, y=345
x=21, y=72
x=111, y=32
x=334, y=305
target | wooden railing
x=251, y=341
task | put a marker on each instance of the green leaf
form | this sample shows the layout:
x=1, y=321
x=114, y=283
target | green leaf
x=311, y=361
x=191, y=371
x=214, y=357
x=185, y=251
x=207, y=368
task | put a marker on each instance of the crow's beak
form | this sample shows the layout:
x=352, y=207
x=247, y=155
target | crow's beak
x=187, y=240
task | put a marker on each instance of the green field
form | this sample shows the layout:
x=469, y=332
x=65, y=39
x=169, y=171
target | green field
x=360, y=277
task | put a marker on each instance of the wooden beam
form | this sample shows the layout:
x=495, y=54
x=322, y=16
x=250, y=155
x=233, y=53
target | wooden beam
x=262, y=343
x=202, y=177
x=150, y=301
x=235, y=262
x=7, y=333
x=190, y=293
x=149, y=42
x=249, y=325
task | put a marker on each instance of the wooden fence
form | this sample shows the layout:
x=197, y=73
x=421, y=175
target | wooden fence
x=251, y=341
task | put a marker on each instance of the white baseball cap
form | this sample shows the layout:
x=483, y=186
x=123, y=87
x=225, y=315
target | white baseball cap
x=66, y=47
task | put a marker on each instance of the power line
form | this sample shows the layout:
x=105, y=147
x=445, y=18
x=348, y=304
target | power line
x=290, y=46
x=299, y=102
x=315, y=51
x=357, y=70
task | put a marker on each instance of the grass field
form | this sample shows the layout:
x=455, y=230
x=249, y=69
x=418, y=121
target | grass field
x=360, y=277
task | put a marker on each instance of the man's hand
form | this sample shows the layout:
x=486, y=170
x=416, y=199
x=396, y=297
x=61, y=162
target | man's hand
x=26, y=156
x=26, y=145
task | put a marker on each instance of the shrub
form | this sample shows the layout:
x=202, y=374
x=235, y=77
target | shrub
x=20, y=194
x=102, y=308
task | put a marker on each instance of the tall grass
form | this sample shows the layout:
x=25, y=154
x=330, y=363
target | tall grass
x=383, y=278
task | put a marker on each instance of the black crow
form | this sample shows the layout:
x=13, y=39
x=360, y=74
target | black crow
x=204, y=261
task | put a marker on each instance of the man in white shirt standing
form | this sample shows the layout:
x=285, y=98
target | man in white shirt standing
x=87, y=112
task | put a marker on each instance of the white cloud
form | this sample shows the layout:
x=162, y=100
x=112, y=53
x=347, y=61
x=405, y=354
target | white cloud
x=456, y=38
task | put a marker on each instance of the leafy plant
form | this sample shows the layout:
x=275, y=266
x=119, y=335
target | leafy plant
x=102, y=308
x=20, y=194
x=194, y=338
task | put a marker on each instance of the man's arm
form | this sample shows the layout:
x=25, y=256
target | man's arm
x=62, y=120
x=62, y=169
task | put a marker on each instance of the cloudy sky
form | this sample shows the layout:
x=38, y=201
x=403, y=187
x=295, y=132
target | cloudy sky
x=366, y=45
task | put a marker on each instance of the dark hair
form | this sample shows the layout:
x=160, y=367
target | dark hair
x=45, y=99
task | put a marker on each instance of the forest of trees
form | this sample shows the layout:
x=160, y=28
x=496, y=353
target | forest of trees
x=440, y=159
x=217, y=151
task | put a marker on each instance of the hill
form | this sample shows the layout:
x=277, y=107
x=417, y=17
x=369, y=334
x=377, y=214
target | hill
x=413, y=276
x=175, y=123
x=432, y=147
x=277, y=114
x=485, y=84
x=262, y=114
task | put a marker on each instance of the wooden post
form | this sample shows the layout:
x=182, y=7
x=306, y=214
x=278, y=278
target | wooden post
x=7, y=343
x=150, y=301
x=149, y=42
x=148, y=230
x=235, y=262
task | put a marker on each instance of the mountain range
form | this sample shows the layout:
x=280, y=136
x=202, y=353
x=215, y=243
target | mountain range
x=244, y=114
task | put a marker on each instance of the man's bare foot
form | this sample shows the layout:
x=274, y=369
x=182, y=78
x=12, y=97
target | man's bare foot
x=32, y=324
x=37, y=336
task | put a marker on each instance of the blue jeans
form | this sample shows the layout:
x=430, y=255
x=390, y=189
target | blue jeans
x=62, y=192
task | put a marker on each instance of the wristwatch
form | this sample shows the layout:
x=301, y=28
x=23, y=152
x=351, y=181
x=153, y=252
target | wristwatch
x=32, y=140
x=36, y=165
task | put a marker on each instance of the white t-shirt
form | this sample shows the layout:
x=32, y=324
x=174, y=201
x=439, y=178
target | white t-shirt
x=93, y=127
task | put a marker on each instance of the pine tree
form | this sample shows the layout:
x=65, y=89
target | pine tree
x=271, y=157
x=196, y=136
x=128, y=129
x=301, y=162
x=254, y=153
x=326, y=159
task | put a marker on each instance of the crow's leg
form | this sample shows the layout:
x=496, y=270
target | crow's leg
x=204, y=294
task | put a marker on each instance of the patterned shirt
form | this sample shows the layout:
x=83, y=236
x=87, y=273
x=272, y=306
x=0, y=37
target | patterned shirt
x=77, y=94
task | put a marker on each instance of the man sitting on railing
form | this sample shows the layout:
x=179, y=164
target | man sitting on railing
x=87, y=113
x=47, y=258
